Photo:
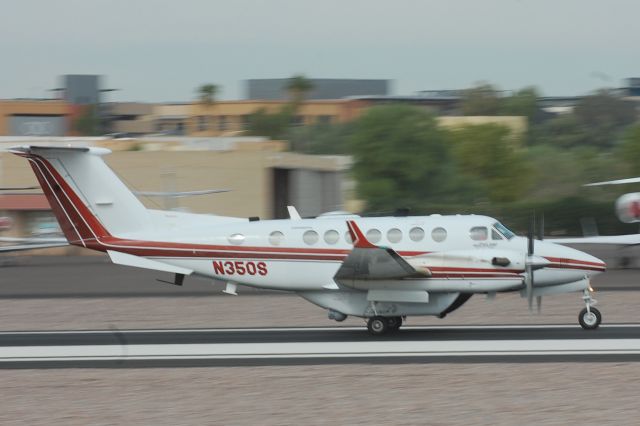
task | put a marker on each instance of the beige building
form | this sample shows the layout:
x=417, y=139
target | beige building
x=262, y=178
x=35, y=117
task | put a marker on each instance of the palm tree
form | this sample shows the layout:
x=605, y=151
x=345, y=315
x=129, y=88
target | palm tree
x=207, y=93
x=298, y=86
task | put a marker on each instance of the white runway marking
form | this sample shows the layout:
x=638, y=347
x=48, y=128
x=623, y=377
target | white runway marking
x=323, y=350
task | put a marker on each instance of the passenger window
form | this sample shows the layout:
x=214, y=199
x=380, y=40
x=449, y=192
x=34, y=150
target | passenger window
x=439, y=234
x=478, y=233
x=394, y=235
x=374, y=236
x=236, y=239
x=310, y=237
x=347, y=237
x=331, y=237
x=495, y=235
x=416, y=234
x=276, y=238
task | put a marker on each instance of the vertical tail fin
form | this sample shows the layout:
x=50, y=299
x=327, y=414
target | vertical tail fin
x=88, y=199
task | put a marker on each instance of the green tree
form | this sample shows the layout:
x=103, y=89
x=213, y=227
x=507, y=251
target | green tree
x=524, y=102
x=630, y=149
x=328, y=139
x=298, y=86
x=272, y=125
x=207, y=93
x=483, y=99
x=487, y=152
x=604, y=116
x=88, y=122
x=401, y=158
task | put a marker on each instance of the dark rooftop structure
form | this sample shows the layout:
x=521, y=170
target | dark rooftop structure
x=323, y=88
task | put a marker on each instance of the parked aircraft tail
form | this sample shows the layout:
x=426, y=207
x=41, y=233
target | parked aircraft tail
x=86, y=196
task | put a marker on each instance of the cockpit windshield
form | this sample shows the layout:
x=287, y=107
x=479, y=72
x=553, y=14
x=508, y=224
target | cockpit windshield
x=504, y=230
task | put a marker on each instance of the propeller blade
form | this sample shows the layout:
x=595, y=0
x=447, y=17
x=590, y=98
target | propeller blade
x=528, y=281
x=541, y=227
x=532, y=225
x=539, y=303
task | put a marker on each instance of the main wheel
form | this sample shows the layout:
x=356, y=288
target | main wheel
x=394, y=323
x=377, y=326
x=590, y=320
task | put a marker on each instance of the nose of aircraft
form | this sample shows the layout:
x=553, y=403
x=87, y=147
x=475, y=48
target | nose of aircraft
x=567, y=258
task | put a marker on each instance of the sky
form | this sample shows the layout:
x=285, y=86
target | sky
x=159, y=51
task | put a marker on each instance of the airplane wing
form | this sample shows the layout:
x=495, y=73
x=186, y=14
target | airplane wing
x=623, y=240
x=370, y=262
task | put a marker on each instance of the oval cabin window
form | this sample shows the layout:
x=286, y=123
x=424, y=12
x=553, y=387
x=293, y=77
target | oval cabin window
x=374, y=236
x=416, y=234
x=394, y=235
x=276, y=238
x=479, y=233
x=439, y=234
x=236, y=239
x=331, y=237
x=310, y=237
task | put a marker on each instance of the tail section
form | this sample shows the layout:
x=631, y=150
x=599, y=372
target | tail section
x=88, y=199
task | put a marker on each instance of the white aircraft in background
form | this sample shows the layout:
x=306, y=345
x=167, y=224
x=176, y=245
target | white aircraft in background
x=627, y=208
x=401, y=266
x=11, y=244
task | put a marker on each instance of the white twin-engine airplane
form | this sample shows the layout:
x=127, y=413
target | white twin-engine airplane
x=398, y=267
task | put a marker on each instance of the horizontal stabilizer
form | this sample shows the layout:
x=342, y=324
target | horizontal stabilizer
x=141, y=262
x=25, y=247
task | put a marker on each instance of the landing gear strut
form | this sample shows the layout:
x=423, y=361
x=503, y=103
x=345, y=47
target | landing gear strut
x=589, y=317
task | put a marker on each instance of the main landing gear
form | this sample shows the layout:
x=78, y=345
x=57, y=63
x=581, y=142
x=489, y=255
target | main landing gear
x=378, y=326
x=589, y=318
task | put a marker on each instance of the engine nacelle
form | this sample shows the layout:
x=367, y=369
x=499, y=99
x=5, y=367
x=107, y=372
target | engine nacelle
x=628, y=207
x=335, y=315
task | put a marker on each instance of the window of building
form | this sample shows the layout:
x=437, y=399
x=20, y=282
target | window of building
x=439, y=234
x=202, y=123
x=416, y=234
x=325, y=119
x=245, y=121
x=374, y=236
x=394, y=235
x=222, y=122
x=236, y=239
x=276, y=238
x=297, y=120
x=331, y=236
x=479, y=233
x=310, y=237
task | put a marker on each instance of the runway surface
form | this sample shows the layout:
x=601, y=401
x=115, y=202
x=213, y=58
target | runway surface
x=312, y=346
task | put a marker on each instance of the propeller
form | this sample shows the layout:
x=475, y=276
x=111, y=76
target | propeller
x=528, y=277
x=530, y=263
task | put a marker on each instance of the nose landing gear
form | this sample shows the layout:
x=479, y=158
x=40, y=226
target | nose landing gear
x=589, y=317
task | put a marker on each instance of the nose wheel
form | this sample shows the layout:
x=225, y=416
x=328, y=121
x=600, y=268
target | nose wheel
x=589, y=317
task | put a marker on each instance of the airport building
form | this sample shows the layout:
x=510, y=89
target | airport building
x=262, y=178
